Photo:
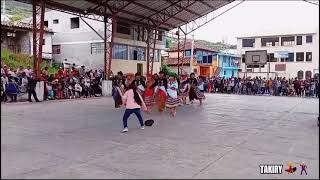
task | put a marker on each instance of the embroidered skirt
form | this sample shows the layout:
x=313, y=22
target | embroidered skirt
x=149, y=101
x=172, y=102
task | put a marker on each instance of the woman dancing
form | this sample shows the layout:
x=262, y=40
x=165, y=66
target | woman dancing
x=172, y=101
x=195, y=92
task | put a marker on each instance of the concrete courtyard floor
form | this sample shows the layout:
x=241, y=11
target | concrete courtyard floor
x=228, y=137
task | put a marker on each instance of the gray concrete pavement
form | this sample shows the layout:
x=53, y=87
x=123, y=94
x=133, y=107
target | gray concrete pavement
x=228, y=137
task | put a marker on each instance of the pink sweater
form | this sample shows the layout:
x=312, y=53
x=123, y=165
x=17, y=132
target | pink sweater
x=128, y=100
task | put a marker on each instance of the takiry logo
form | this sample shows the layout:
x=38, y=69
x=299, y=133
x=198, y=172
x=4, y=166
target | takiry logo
x=271, y=168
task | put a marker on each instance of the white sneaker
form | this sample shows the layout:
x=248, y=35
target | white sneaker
x=142, y=127
x=125, y=130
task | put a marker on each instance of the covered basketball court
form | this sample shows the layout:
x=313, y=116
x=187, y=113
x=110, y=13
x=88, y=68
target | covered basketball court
x=152, y=16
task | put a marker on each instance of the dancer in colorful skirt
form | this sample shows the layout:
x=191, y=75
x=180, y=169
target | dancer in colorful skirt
x=160, y=89
x=118, y=85
x=172, y=101
x=194, y=92
x=149, y=93
x=184, y=89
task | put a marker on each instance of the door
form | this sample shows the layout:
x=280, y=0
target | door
x=140, y=68
x=204, y=71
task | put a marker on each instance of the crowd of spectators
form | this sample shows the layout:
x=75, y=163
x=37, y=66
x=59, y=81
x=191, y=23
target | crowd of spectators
x=66, y=83
x=279, y=86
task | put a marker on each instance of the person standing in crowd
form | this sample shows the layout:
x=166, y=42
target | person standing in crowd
x=161, y=85
x=184, y=89
x=140, y=84
x=172, y=101
x=133, y=102
x=32, y=82
x=117, y=82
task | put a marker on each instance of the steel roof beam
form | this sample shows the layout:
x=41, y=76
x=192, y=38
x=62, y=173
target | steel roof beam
x=178, y=11
x=121, y=10
x=157, y=12
x=205, y=3
x=185, y=8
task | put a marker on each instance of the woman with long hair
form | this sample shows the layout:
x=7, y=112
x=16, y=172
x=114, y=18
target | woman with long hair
x=172, y=101
x=160, y=89
x=184, y=89
x=149, y=93
x=133, y=102
x=195, y=92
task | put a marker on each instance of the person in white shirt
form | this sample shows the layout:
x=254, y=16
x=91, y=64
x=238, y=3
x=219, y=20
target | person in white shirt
x=78, y=89
x=28, y=71
x=172, y=101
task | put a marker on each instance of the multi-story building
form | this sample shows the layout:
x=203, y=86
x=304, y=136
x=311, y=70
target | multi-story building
x=206, y=61
x=75, y=42
x=18, y=38
x=288, y=55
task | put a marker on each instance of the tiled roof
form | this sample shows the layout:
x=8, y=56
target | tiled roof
x=174, y=61
x=22, y=25
x=188, y=45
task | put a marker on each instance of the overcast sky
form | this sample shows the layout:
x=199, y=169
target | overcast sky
x=259, y=17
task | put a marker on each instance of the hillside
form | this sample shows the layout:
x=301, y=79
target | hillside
x=16, y=10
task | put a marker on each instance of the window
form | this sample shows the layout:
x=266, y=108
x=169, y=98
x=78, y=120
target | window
x=204, y=59
x=120, y=51
x=248, y=42
x=97, y=48
x=123, y=28
x=46, y=24
x=157, y=57
x=137, y=53
x=199, y=56
x=56, y=21
x=287, y=41
x=75, y=23
x=255, y=66
x=309, y=39
x=271, y=58
x=210, y=59
x=273, y=41
x=308, y=74
x=308, y=56
x=300, y=74
x=299, y=56
x=43, y=41
x=299, y=40
x=188, y=53
x=290, y=58
x=159, y=35
x=243, y=58
x=224, y=73
x=56, y=49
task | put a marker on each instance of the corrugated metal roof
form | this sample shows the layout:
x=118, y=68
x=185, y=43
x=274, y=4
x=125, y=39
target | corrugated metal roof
x=167, y=14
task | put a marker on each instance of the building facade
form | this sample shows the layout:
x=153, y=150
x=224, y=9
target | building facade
x=205, y=61
x=229, y=64
x=289, y=55
x=75, y=42
x=18, y=38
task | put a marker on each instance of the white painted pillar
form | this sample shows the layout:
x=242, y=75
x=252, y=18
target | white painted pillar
x=106, y=87
x=40, y=90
